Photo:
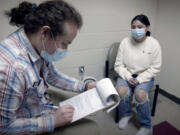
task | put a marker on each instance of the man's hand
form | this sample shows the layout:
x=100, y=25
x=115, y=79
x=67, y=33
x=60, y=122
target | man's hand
x=90, y=85
x=63, y=115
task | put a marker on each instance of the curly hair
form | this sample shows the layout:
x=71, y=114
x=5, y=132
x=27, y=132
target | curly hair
x=52, y=13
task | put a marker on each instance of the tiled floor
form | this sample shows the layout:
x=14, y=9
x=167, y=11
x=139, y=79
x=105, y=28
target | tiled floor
x=166, y=110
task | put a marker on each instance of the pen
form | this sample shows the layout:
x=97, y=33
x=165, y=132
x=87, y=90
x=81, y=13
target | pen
x=51, y=106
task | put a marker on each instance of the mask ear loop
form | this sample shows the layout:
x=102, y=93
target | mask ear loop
x=53, y=39
x=43, y=45
x=42, y=41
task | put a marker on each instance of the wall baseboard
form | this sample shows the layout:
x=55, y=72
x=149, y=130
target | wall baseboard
x=170, y=96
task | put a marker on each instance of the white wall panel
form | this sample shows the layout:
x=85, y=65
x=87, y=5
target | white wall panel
x=168, y=33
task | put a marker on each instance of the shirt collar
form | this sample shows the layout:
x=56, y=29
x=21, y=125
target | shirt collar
x=26, y=44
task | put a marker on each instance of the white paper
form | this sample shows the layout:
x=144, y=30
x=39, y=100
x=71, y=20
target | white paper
x=93, y=100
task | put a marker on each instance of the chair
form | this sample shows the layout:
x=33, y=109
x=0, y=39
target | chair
x=110, y=73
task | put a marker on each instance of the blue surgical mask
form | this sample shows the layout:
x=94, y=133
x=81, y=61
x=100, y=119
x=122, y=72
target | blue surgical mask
x=55, y=56
x=138, y=33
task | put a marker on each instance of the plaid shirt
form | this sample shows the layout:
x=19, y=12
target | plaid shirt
x=24, y=79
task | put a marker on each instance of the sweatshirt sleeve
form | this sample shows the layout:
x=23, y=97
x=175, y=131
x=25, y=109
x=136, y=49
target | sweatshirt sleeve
x=155, y=67
x=119, y=65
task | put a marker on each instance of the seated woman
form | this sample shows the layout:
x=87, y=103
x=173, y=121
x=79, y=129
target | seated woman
x=137, y=63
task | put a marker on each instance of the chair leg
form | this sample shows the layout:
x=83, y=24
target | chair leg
x=155, y=100
x=117, y=115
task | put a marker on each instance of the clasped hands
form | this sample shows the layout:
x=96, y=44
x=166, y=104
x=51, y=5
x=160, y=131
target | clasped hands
x=133, y=82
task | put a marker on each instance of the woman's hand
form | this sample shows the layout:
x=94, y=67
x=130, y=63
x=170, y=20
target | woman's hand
x=133, y=82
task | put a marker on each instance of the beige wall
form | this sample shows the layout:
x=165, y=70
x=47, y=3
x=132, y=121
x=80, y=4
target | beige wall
x=168, y=33
x=108, y=21
x=105, y=22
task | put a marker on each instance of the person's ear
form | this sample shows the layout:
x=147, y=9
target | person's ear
x=147, y=28
x=44, y=31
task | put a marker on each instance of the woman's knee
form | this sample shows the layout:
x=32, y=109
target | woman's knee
x=141, y=96
x=122, y=91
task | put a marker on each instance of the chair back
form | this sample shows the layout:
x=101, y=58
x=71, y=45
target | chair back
x=111, y=58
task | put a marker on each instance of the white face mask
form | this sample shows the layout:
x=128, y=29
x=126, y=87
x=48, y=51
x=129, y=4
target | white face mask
x=57, y=55
x=138, y=33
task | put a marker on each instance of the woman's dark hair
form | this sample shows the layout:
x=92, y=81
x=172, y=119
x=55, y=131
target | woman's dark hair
x=143, y=19
x=52, y=13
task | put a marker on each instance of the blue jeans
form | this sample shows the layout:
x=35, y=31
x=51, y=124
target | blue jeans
x=143, y=109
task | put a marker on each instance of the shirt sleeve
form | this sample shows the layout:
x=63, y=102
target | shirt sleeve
x=62, y=81
x=119, y=65
x=12, y=91
x=155, y=67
